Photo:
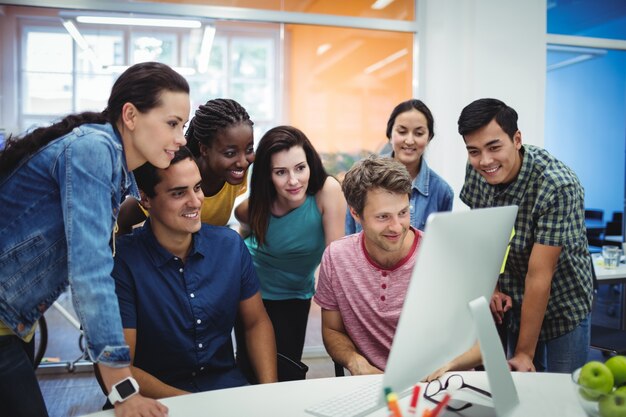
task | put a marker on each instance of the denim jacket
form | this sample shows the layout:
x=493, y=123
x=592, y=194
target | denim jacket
x=430, y=193
x=58, y=211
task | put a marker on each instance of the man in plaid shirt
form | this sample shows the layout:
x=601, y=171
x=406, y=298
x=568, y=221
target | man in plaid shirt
x=547, y=281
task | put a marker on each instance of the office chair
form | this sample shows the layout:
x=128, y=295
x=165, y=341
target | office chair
x=595, y=235
x=606, y=339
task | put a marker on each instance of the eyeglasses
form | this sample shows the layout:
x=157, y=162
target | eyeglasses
x=453, y=382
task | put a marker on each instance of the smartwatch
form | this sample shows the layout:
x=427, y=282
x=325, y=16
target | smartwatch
x=123, y=390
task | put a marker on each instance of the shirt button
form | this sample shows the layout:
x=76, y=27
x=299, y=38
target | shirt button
x=180, y=270
x=384, y=286
x=192, y=295
x=198, y=321
x=384, y=273
x=200, y=345
x=382, y=298
x=202, y=368
x=175, y=258
x=193, y=374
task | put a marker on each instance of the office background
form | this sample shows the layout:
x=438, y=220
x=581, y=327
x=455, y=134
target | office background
x=336, y=69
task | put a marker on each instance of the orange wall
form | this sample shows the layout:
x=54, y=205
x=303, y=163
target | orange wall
x=329, y=95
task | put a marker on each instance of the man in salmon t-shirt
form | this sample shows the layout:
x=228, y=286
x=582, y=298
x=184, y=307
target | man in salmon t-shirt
x=364, y=277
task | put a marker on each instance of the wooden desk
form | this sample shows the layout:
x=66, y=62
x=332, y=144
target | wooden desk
x=540, y=394
x=612, y=276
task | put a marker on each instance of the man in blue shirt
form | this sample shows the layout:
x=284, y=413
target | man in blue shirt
x=180, y=285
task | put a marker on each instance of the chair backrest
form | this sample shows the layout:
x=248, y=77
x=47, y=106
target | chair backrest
x=595, y=214
x=290, y=370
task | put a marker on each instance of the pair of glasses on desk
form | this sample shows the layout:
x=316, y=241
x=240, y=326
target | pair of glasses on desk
x=453, y=382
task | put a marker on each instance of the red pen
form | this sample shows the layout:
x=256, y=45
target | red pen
x=414, y=398
x=440, y=406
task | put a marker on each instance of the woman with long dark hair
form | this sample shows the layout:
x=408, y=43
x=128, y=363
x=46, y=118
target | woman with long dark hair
x=60, y=192
x=294, y=211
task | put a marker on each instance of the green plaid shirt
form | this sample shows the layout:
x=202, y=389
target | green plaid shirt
x=551, y=212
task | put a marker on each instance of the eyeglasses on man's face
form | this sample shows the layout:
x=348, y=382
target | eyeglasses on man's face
x=453, y=382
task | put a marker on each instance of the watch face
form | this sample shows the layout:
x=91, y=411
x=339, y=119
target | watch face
x=125, y=389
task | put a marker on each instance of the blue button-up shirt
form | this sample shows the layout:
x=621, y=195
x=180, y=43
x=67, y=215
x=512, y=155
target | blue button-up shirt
x=58, y=208
x=429, y=194
x=184, y=312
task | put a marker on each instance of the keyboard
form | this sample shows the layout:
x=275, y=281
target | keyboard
x=359, y=402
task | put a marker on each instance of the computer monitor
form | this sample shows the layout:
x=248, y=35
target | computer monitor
x=446, y=308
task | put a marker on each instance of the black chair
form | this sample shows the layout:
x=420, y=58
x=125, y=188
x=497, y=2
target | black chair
x=606, y=339
x=594, y=222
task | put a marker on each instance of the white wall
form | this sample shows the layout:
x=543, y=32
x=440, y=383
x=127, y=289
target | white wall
x=471, y=49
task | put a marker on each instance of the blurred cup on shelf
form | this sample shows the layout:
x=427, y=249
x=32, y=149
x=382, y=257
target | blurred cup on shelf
x=611, y=255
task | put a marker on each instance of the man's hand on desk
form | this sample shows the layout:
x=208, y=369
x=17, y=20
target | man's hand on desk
x=500, y=304
x=140, y=406
x=521, y=362
x=361, y=366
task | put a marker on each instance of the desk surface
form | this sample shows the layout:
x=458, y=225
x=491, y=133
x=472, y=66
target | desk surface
x=540, y=394
x=607, y=276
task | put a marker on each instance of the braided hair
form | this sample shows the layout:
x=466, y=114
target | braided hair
x=211, y=118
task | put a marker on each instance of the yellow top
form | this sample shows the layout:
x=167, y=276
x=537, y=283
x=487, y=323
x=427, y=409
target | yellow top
x=217, y=208
x=5, y=331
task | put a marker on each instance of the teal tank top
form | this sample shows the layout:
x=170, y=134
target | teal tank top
x=293, y=248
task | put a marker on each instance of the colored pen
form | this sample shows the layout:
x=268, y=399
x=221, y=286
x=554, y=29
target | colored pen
x=414, y=398
x=392, y=404
x=440, y=406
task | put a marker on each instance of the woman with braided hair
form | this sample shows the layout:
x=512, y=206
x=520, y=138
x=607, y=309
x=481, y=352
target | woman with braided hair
x=221, y=139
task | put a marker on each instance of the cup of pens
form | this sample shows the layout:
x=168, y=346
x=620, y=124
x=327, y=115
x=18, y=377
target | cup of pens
x=394, y=407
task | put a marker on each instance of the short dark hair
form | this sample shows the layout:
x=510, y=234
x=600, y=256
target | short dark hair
x=371, y=173
x=408, y=105
x=262, y=191
x=481, y=112
x=147, y=175
x=212, y=118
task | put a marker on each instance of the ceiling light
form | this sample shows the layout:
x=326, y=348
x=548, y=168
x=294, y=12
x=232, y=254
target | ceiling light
x=205, y=49
x=378, y=65
x=137, y=21
x=381, y=4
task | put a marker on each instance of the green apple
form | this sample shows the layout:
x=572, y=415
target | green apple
x=613, y=405
x=597, y=377
x=617, y=365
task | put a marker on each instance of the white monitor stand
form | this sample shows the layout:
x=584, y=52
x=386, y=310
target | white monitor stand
x=503, y=390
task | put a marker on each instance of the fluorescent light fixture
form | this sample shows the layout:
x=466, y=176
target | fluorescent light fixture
x=205, y=49
x=381, y=4
x=385, y=61
x=321, y=50
x=75, y=34
x=81, y=42
x=138, y=21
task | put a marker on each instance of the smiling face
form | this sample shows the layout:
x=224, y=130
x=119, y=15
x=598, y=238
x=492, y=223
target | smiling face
x=409, y=138
x=493, y=154
x=290, y=176
x=156, y=135
x=386, y=221
x=175, y=208
x=230, y=153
